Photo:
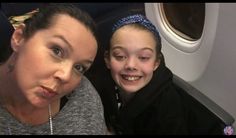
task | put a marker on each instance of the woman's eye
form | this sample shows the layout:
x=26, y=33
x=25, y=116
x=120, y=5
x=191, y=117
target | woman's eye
x=80, y=68
x=57, y=51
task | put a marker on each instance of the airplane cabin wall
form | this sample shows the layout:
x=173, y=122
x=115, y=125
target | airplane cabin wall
x=219, y=79
x=211, y=68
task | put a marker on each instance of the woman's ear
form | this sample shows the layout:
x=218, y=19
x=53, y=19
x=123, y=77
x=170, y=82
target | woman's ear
x=17, y=37
x=107, y=60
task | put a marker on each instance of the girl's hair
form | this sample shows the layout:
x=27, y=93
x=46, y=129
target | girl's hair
x=140, y=22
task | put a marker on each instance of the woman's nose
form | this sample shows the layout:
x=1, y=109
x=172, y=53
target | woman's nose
x=64, y=73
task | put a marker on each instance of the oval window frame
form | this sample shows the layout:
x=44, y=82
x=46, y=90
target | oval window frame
x=188, y=46
x=188, y=66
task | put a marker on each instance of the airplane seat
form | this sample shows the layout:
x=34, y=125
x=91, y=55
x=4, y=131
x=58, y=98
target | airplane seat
x=6, y=30
x=203, y=116
x=199, y=119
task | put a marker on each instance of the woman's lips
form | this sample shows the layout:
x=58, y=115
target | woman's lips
x=49, y=93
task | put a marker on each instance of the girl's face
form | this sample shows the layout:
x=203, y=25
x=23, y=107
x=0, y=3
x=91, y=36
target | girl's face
x=132, y=58
x=50, y=64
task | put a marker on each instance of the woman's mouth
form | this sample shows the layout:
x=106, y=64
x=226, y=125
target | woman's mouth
x=48, y=92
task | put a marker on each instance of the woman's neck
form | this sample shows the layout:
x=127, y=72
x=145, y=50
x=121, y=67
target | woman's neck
x=29, y=114
x=9, y=93
x=17, y=105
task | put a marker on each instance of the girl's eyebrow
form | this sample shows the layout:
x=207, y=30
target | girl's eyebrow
x=146, y=48
x=120, y=47
x=116, y=47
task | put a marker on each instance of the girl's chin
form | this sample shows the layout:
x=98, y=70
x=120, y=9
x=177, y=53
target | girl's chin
x=131, y=90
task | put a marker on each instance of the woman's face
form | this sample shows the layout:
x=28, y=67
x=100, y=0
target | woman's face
x=50, y=64
x=132, y=58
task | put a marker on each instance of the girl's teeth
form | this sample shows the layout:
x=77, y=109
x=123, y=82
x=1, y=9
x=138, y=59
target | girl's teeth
x=131, y=78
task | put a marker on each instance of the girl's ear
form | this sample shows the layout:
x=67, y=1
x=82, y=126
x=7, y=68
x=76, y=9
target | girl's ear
x=107, y=60
x=17, y=38
x=157, y=63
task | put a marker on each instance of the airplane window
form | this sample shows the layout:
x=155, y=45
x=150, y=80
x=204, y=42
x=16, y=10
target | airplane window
x=185, y=19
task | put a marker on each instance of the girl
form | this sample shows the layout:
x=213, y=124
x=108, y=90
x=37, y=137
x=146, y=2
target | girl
x=144, y=100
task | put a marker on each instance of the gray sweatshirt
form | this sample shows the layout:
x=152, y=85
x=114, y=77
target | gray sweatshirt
x=81, y=115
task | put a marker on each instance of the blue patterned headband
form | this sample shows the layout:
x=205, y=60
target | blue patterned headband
x=139, y=19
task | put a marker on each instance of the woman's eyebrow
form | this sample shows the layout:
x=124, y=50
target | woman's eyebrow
x=64, y=40
x=89, y=62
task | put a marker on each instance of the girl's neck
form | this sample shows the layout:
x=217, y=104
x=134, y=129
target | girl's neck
x=125, y=96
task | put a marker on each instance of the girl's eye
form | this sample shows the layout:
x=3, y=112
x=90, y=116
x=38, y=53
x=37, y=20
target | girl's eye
x=144, y=58
x=57, y=51
x=120, y=58
x=80, y=68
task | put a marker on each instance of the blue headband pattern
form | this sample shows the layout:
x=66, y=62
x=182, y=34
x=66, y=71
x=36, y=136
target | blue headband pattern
x=139, y=19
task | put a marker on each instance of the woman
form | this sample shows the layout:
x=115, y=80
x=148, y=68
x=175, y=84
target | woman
x=42, y=87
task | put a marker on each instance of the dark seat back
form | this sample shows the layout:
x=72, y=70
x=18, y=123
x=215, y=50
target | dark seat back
x=15, y=9
x=7, y=10
x=203, y=115
x=6, y=30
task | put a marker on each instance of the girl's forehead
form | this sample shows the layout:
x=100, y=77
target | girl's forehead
x=130, y=29
x=132, y=34
x=133, y=46
x=133, y=38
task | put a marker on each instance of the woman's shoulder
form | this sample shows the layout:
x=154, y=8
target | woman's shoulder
x=86, y=91
x=85, y=86
x=85, y=97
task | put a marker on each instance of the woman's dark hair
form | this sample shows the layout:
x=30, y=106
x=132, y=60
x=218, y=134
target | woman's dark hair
x=44, y=18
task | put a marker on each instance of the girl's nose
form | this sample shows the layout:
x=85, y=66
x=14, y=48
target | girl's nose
x=130, y=64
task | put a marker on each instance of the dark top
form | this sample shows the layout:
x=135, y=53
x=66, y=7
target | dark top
x=155, y=109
